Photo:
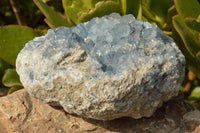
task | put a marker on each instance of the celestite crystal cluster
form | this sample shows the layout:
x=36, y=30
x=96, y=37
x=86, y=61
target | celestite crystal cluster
x=103, y=69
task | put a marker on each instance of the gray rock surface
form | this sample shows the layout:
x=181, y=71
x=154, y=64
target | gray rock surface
x=103, y=69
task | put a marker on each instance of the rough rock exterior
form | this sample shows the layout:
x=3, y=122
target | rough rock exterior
x=103, y=69
x=20, y=113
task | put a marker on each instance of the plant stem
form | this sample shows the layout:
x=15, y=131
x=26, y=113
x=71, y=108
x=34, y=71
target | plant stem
x=16, y=11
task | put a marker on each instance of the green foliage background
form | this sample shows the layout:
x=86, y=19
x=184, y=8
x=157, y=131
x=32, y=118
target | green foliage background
x=179, y=19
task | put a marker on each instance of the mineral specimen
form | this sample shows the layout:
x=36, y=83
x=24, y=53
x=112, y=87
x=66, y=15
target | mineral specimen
x=103, y=69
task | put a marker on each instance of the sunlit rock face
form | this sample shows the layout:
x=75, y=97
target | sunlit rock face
x=103, y=69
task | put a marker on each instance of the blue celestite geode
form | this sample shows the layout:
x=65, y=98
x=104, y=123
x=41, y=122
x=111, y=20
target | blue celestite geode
x=103, y=69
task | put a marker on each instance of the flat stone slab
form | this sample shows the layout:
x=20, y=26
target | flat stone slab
x=21, y=113
x=106, y=68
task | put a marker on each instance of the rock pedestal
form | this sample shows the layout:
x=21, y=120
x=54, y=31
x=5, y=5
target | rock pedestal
x=21, y=113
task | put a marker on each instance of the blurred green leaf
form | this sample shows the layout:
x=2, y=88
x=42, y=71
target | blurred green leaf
x=197, y=82
x=41, y=31
x=66, y=2
x=76, y=7
x=159, y=12
x=170, y=14
x=49, y=23
x=130, y=7
x=198, y=55
x=198, y=18
x=101, y=9
x=87, y=4
x=29, y=12
x=53, y=17
x=55, y=5
x=192, y=24
x=192, y=63
x=195, y=95
x=148, y=13
x=11, y=78
x=191, y=41
x=14, y=88
x=94, y=2
x=187, y=8
x=3, y=67
x=12, y=40
x=6, y=14
x=160, y=7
